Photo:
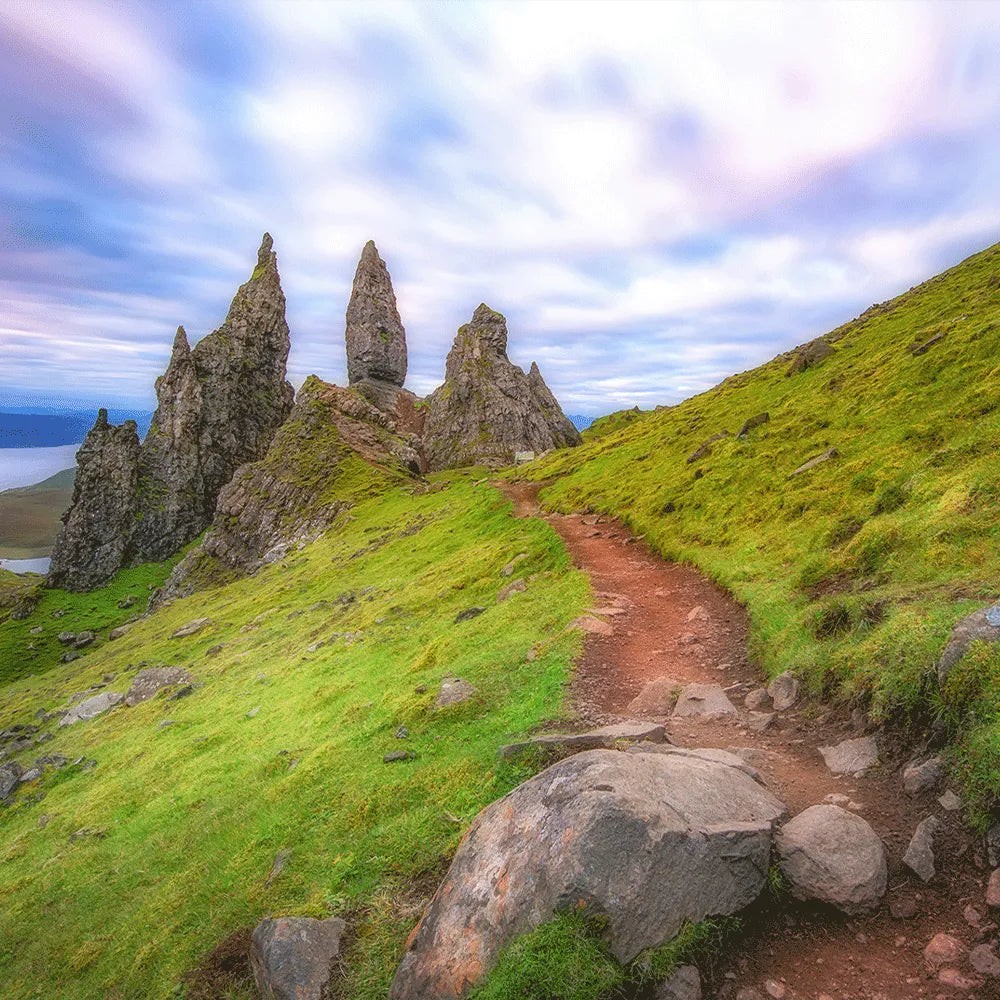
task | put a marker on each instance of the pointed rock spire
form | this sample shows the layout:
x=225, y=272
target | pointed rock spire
x=376, y=340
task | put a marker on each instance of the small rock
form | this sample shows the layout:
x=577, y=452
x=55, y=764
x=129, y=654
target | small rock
x=43, y=821
x=851, y=756
x=757, y=700
x=748, y=993
x=280, y=860
x=401, y=733
x=684, y=984
x=993, y=890
x=66, y=637
x=191, y=628
x=453, y=691
x=117, y=633
x=704, y=701
x=993, y=845
x=760, y=722
x=291, y=956
x=395, y=755
x=517, y=587
x=69, y=657
x=181, y=692
x=83, y=639
x=984, y=960
x=464, y=616
x=972, y=916
x=508, y=570
x=774, y=989
x=126, y=603
x=10, y=777
x=213, y=650
x=919, y=856
x=950, y=802
x=919, y=778
x=943, y=949
x=37, y=630
x=784, y=691
x=903, y=909
x=32, y=774
x=953, y=978
x=698, y=614
x=253, y=711
x=595, y=626
x=656, y=698
x=92, y=707
x=149, y=681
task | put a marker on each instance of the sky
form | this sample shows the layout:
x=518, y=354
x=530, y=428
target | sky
x=656, y=195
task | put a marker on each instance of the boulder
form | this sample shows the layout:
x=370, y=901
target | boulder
x=980, y=626
x=704, y=700
x=919, y=856
x=784, y=691
x=454, y=691
x=91, y=707
x=757, y=421
x=647, y=841
x=518, y=586
x=487, y=410
x=376, y=340
x=920, y=778
x=147, y=682
x=834, y=856
x=191, y=628
x=683, y=984
x=809, y=355
x=713, y=754
x=606, y=737
x=851, y=756
x=119, y=631
x=10, y=777
x=656, y=698
x=291, y=956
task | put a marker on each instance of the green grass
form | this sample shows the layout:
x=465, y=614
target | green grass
x=194, y=813
x=852, y=573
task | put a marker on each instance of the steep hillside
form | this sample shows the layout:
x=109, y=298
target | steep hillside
x=854, y=568
x=261, y=788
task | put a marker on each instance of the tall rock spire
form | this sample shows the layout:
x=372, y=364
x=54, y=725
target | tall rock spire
x=376, y=340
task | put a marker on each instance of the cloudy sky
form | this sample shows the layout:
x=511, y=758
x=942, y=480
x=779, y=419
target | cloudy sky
x=656, y=195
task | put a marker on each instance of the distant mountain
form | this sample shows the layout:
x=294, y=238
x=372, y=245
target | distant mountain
x=51, y=429
x=580, y=422
x=30, y=516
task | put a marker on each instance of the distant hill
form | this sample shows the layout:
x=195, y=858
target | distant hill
x=30, y=516
x=580, y=422
x=49, y=430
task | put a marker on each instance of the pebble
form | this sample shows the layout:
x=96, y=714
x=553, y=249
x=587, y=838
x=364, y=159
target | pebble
x=774, y=989
x=950, y=801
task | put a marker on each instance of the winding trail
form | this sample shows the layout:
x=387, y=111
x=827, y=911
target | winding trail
x=667, y=620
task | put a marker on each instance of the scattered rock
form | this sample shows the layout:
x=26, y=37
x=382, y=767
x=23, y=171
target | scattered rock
x=606, y=737
x=33, y=774
x=704, y=700
x=147, y=682
x=784, y=691
x=181, y=692
x=761, y=722
x=508, y=570
x=943, y=949
x=602, y=828
x=280, y=860
x=980, y=626
x=698, y=614
x=291, y=956
x=126, y=602
x=920, y=778
x=684, y=984
x=253, y=711
x=396, y=755
x=214, y=650
x=91, y=707
x=851, y=756
x=401, y=733
x=950, y=802
x=809, y=355
x=919, y=856
x=983, y=958
x=656, y=698
x=10, y=777
x=191, y=628
x=774, y=989
x=903, y=909
x=705, y=448
x=757, y=421
x=749, y=993
x=972, y=916
x=517, y=587
x=464, y=616
x=84, y=639
x=454, y=691
x=66, y=638
x=993, y=845
x=921, y=347
x=595, y=626
x=817, y=460
x=955, y=979
x=757, y=700
x=833, y=856
x=993, y=890
x=69, y=657
x=117, y=633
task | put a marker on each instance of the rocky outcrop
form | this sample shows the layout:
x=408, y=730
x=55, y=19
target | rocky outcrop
x=305, y=481
x=376, y=340
x=218, y=407
x=980, y=626
x=646, y=841
x=291, y=956
x=487, y=410
x=96, y=529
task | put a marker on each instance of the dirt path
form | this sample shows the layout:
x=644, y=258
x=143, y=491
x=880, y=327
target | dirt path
x=668, y=620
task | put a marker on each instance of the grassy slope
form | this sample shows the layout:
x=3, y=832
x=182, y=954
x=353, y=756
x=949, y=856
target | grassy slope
x=854, y=572
x=195, y=813
x=30, y=516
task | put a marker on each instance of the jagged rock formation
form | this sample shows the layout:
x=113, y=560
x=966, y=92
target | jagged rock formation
x=97, y=526
x=376, y=340
x=309, y=476
x=219, y=406
x=488, y=409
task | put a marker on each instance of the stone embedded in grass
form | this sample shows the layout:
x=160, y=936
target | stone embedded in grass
x=950, y=802
x=517, y=587
x=614, y=830
x=656, y=698
x=759, y=420
x=704, y=701
x=468, y=613
x=809, y=355
x=784, y=691
x=980, y=626
x=147, y=682
x=91, y=707
x=919, y=856
x=291, y=956
x=833, y=856
x=508, y=570
x=595, y=626
x=851, y=756
x=454, y=691
x=761, y=722
x=817, y=460
x=10, y=777
x=66, y=637
x=83, y=639
x=603, y=738
x=253, y=711
x=397, y=755
x=919, y=778
x=191, y=628
x=117, y=633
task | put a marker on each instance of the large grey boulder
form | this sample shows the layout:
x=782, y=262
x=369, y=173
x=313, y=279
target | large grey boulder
x=147, y=682
x=831, y=855
x=291, y=956
x=980, y=626
x=648, y=841
x=376, y=340
x=91, y=708
x=487, y=410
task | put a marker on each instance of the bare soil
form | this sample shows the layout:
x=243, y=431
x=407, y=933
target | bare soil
x=670, y=621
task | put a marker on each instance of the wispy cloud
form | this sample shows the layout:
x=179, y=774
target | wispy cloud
x=656, y=195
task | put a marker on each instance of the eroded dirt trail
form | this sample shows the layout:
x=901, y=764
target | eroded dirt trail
x=654, y=619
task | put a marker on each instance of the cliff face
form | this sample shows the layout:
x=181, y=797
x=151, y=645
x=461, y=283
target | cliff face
x=218, y=406
x=98, y=524
x=487, y=410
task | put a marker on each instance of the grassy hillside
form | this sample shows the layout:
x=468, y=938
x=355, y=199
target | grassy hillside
x=119, y=877
x=855, y=570
x=30, y=516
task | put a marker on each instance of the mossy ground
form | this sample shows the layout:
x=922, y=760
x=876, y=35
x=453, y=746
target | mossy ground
x=185, y=820
x=853, y=573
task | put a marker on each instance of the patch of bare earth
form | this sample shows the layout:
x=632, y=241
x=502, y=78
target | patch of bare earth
x=667, y=620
